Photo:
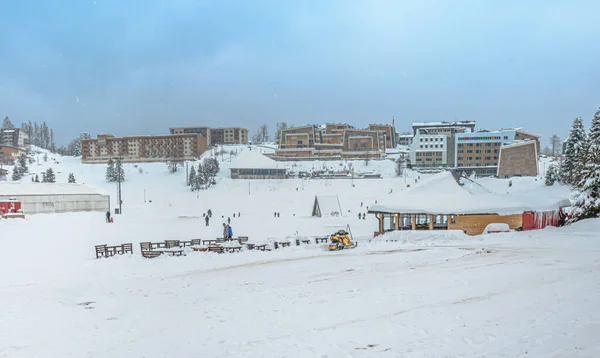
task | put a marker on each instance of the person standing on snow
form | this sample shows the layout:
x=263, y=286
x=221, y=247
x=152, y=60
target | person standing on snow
x=206, y=219
x=108, y=216
x=225, y=231
x=228, y=220
x=229, y=232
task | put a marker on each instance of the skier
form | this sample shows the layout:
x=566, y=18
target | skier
x=509, y=183
x=108, y=216
x=228, y=220
x=358, y=216
x=209, y=212
x=364, y=216
x=274, y=214
x=278, y=213
x=206, y=218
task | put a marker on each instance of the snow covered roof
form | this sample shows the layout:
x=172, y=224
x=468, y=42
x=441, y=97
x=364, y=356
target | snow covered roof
x=454, y=123
x=26, y=189
x=440, y=194
x=253, y=159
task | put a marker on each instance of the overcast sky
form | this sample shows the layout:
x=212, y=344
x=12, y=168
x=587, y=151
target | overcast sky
x=137, y=67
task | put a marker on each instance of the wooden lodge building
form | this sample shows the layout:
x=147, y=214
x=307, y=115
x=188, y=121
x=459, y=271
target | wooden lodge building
x=441, y=204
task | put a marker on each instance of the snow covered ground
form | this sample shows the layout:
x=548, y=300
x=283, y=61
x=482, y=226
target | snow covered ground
x=421, y=295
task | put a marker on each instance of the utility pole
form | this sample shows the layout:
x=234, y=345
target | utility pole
x=187, y=176
x=119, y=166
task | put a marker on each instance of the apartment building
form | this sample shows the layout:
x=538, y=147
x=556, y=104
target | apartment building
x=389, y=134
x=143, y=149
x=479, y=151
x=405, y=139
x=333, y=140
x=9, y=154
x=522, y=136
x=15, y=137
x=215, y=136
x=429, y=150
x=439, y=127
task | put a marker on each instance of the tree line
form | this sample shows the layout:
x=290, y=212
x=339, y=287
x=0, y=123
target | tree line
x=580, y=168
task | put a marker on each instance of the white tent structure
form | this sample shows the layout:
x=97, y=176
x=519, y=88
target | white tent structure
x=38, y=198
x=327, y=205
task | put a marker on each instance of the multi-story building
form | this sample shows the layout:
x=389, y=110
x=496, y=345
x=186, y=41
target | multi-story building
x=334, y=140
x=429, y=150
x=141, y=149
x=522, y=136
x=405, y=139
x=9, y=154
x=479, y=151
x=389, y=134
x=439, y=127
x=215, y=136
x=15, y=137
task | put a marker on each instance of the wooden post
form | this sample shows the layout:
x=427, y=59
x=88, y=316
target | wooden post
x=397, y=222
x=380, y=217
x=430, y=222
x=413, y=221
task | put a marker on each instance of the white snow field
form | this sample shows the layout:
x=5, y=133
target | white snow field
x=438, y=294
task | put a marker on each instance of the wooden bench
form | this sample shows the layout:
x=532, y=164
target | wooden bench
x=282, y=244
x=169, y=244
x=195, y=242
x=217, y=249
x=108, y=251
x=321, y=240
x=232, y=248
x=298, y=241
x=242, y=239
x=208, y=242
x=151, y=254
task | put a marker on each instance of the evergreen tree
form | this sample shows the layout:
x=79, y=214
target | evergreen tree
x=45, y=157
x=588, y=202
x=71, y=178
x=37, y=178
x=30, y=130
x=192, y=177
x=551, y=175
x=7, y=124
x=173, y=166
x=200, y=177
x=16, y=174
x=569, y=170
x=44, y=177
x=23, y=165
x=111, y=174
x=50, y=178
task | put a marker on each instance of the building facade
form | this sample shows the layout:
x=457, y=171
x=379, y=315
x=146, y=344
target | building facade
x=15, y=137
x=429, y=150
x=9, y=154
x=216, y=136
x=334, y=140
x=479, y=151
x=522, y=136
x=388, y=133
x=518, y=159
x=143, y=149
x=439, y=127
x=405, y=139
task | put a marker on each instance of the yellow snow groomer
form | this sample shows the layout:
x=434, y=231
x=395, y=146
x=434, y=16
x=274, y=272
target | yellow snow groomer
x=341, y=240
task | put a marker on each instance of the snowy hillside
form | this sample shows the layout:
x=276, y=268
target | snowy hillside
x=422, y=294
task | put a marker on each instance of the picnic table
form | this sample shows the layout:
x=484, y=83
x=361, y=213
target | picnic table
x=173, y=251
x=232, y=248
x=208, y=242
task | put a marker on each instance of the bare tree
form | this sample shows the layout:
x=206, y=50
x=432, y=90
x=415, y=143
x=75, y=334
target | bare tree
x=262, y=135
x=547, y=151
x=280, y=126
x=556, y=145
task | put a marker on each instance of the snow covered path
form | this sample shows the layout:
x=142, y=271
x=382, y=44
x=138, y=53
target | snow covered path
x=522, y=295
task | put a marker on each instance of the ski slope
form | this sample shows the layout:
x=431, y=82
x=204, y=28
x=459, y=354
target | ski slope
x=421, y=294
